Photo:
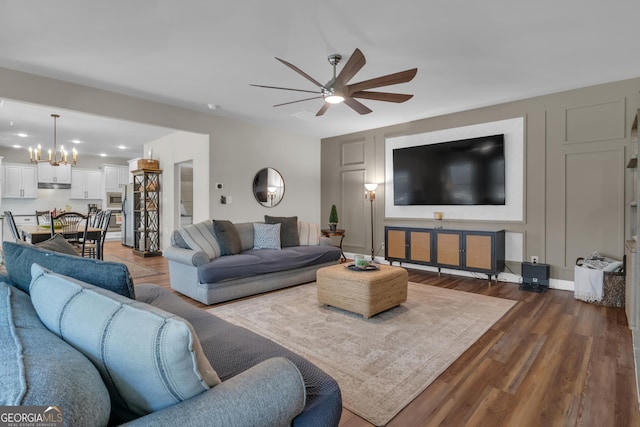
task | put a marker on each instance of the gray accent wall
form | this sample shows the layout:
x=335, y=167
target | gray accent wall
x=577, y=188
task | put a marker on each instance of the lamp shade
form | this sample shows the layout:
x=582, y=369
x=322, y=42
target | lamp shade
x=371, y=187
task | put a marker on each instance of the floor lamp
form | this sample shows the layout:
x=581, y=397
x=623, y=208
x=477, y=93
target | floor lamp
x=370, y=194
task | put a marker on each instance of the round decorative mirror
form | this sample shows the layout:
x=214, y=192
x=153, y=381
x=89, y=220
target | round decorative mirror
x=268, y=187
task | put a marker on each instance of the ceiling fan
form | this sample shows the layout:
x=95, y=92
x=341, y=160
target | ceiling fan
x=337, y=90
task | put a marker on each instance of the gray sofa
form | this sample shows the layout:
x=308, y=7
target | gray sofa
x=262, y=383
x=212, y=275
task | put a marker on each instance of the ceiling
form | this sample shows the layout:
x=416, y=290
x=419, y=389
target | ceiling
x=198, y=52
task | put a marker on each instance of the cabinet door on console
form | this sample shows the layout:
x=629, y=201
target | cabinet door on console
x=420, y=246
x=448, y=248
x=479, y=251
x=396, y=245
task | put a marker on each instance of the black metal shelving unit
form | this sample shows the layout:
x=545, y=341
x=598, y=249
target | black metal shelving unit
x=146, y=212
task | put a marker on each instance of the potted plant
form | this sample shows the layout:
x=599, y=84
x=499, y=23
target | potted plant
x=333, y=218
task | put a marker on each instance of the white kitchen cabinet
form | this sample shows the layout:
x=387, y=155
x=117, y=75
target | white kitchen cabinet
x=20, y=181
x=48, y=174
x=133, y=166
x=115, y=177
x=86, y=184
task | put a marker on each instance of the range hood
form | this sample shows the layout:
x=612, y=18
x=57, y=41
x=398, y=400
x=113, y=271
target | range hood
x=54, y=185
x=54, y=177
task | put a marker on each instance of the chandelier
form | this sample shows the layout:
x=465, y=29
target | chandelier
x=36, y=154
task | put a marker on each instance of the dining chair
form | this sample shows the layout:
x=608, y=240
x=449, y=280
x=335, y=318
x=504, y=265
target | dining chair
x=92, y=247
x=42, y=217
x=12, y=226
x=103, y=233
x=73, y=227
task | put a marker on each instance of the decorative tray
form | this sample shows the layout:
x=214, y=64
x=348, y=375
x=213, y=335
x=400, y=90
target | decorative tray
x=353, y=267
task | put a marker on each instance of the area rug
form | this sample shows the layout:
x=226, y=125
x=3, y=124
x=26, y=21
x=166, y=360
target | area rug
x=135, y=270
x=382, y=363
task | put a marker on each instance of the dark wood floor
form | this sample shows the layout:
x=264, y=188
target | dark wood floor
x=551, y=361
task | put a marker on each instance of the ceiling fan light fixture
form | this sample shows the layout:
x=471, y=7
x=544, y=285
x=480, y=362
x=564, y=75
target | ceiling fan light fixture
x=338, y=89
x=334, y=99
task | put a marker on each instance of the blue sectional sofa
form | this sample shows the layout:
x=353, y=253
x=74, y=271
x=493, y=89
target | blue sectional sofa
x=51, y=306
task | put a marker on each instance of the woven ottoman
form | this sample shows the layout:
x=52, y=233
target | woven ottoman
x=363, y=292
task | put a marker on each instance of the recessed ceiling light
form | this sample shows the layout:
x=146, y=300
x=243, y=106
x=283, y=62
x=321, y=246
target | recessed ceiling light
x=103, y=155
x=122, y=147
x=22, y=135
x=76, y=141
x=16, y=146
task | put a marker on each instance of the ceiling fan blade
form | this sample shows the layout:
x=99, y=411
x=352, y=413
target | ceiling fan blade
x=323, y=109
x=389, y=79
x=382, y=96
x=359, y=107
x=353, y=65
x=285, y=88
x=299, y=71
x=300, y=100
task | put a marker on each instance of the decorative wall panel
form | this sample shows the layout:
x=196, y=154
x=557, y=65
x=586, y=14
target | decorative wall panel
x=595, y=122
x=353, y=153
x=594, y=201
x=355, y=218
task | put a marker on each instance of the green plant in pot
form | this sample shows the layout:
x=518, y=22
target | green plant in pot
x=333, y=218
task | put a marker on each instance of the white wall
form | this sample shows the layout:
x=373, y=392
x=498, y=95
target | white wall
x=238, y=153
x=47, y=199
x=173, y=149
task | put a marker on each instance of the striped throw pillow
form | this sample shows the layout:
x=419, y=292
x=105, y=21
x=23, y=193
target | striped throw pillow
x=201, y=237
x=309, y=233
x=148, y=358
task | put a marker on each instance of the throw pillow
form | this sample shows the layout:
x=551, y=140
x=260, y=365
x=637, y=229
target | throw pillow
x=266, y=236
x=148, y=358
x=178, y=241
x=309, y=233
x=112, y=276
x=38, y=368
x=200, y=237
x=58, y=244
x=228, y=237
x=288, y=229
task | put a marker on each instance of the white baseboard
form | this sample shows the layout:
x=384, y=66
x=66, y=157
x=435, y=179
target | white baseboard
x=563, y=285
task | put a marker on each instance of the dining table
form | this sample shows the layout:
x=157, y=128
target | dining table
x=40, y=233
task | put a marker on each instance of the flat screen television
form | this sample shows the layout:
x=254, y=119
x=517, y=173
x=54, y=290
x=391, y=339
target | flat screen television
x=463, y=172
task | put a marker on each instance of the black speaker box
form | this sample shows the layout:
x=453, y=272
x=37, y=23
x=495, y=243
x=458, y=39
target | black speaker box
x=535, y=276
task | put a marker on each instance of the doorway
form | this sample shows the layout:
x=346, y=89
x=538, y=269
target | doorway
x=184, y=174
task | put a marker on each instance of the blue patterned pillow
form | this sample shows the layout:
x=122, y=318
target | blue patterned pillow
x=266, y=236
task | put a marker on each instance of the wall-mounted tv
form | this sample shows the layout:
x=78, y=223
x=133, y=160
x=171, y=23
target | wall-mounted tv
x=462, y=172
